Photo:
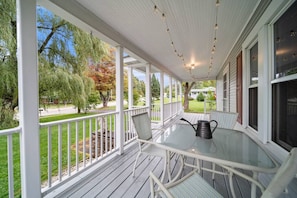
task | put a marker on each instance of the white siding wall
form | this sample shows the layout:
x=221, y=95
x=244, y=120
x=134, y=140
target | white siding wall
x=255, y=29
x=231, y=60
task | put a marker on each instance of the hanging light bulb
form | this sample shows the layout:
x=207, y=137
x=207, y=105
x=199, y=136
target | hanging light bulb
x=216, y=26
x=163, y=16
x=218, y=3
x=215, y=40
x=155, y=9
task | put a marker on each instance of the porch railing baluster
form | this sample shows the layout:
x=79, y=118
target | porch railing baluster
x=49, y=156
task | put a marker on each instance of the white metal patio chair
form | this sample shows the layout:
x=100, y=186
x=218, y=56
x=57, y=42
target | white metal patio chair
x=225, y=120
x=142, y=125
x=193, y=185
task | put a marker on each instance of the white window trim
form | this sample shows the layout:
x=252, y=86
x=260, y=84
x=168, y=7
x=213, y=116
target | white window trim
x=226, y=71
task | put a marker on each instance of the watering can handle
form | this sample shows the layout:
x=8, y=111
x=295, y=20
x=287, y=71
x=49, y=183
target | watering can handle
x=215, y=126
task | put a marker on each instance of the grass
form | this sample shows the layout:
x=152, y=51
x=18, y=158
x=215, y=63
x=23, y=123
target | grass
x=43, y=152
x=198, y=107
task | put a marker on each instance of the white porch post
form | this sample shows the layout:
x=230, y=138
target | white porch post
x=162, y=97
x=148, y=92
x=180, y=96
x=170, y=94
x=130, y=87
x=28, y=98
x=119, y=99
x=176, y=92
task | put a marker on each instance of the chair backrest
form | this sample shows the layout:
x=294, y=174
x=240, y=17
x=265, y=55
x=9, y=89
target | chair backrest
x=283, y=176
x=142, y=124
x=225, y=120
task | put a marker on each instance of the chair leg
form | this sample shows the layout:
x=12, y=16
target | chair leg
x=231, y=184
x=166, y=166
x=134, y=167
x=198, y=165
x=213, y=168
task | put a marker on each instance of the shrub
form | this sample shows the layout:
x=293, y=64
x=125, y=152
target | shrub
x=200, y=97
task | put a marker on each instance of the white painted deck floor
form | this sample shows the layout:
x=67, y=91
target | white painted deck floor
x=114, y=178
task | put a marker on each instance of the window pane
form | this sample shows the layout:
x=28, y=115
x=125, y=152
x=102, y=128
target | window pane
x=225, y=86
x=285, y=43
x=253, y=108
x=254, y=65
x=284, y=114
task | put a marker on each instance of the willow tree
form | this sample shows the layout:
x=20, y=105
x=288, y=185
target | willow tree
x=64, y=54
x=8, y=63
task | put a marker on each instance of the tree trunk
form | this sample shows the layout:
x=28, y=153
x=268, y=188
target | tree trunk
x=105, y=98
x=187, y=89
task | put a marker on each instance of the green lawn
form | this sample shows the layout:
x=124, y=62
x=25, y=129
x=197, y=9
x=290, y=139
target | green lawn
x=43, y=152
x=198, y=107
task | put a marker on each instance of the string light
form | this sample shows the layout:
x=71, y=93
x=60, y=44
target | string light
x=190, y=67
x=213, y=49
x=157, y=10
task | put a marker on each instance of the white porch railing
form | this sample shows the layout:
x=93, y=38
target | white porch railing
x=12, y=135
x=170, y=110
x=81, y=143
x=71, y=146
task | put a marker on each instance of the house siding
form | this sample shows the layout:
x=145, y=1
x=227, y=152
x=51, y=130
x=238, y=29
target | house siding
x=231, y=59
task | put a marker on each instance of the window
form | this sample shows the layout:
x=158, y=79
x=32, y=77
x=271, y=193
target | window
x=285, y=43
x=284, y=113
x=253, y=88
x=226, y=89
x=284, y=89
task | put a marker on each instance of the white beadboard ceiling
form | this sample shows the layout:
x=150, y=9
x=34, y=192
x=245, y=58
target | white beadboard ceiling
x=134, y=25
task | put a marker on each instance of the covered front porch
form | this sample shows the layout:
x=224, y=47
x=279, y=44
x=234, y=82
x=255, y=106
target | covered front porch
x=113, y=177
x=93, y=156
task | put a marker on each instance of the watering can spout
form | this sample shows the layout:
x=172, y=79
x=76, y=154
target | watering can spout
x=196, y=130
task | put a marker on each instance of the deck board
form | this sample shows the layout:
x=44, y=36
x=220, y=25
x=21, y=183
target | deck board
x=114, y=178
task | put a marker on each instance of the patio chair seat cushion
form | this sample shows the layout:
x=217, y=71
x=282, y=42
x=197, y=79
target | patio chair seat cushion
x=154, y=150
x=193, y=186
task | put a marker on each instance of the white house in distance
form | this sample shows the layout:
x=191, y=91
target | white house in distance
x=195, y=92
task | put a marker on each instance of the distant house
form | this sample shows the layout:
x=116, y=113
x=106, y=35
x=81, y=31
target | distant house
x=195, y=92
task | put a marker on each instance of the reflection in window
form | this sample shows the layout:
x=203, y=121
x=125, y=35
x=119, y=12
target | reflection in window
x=284, y=94
x=253, y=108
x=284, y=114
x=253, y=91
x=254, y=65
x=285, y=43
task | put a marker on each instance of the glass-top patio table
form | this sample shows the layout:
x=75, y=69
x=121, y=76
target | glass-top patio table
x=230, y=148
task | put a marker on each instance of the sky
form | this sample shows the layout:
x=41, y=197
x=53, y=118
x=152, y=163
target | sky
x=141, y=76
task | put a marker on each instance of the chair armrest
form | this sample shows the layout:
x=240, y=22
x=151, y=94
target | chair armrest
x=162, y=188
x=244, y=176
x=146, y=141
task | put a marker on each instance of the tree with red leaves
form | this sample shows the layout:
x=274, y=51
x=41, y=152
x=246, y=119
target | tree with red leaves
x=104, y=77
